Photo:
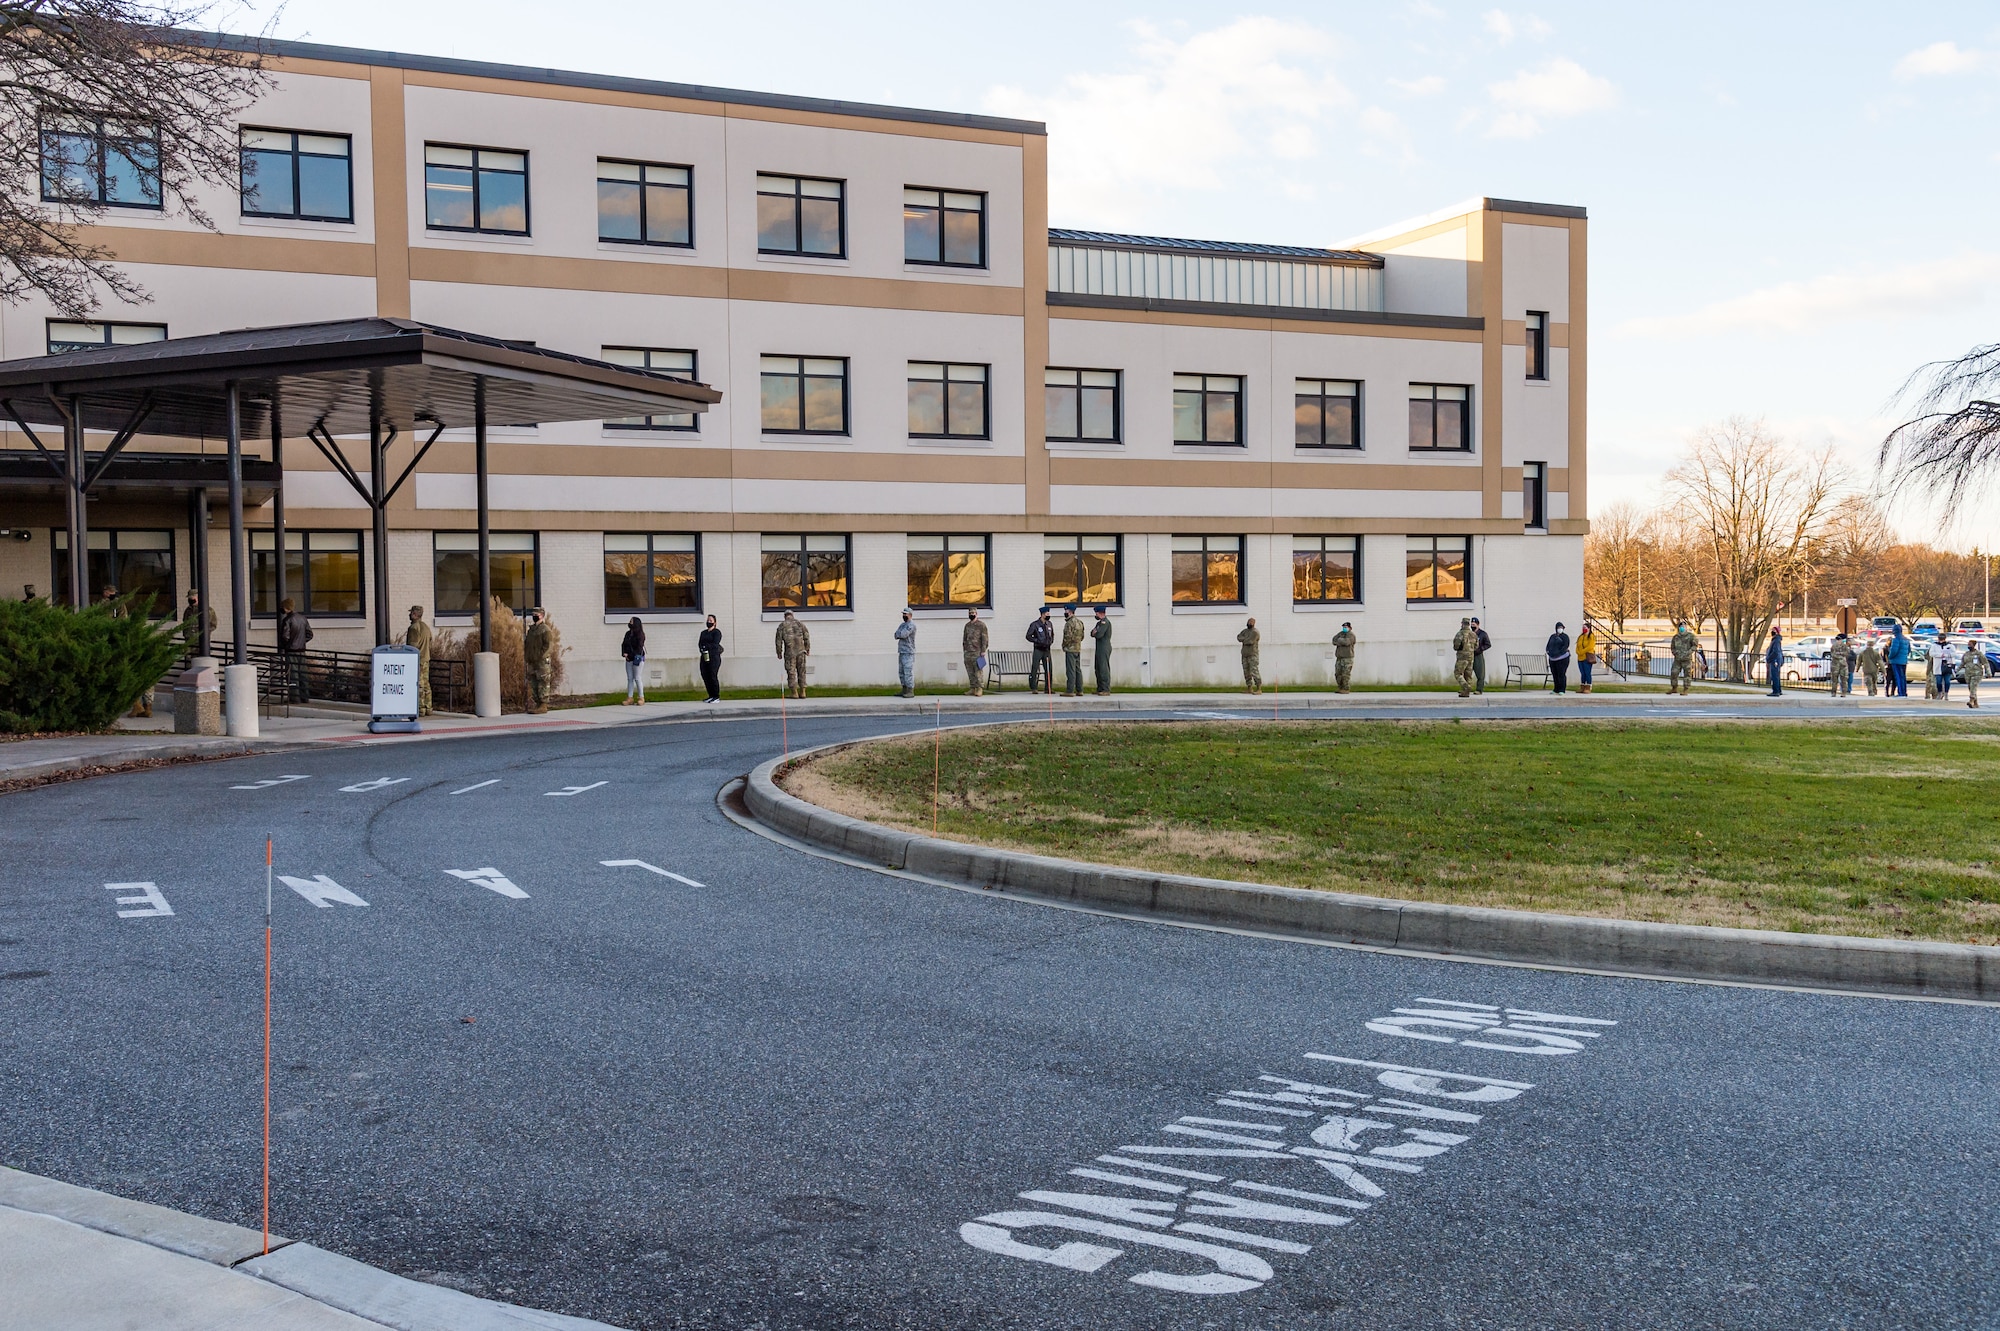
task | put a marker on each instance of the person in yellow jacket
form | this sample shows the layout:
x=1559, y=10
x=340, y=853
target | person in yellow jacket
x=1586, y=655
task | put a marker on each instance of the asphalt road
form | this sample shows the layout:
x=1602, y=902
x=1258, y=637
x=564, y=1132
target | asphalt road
x=774, y=1091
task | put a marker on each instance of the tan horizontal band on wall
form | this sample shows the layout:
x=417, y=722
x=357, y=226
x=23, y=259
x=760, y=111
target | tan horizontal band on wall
x=1558, y=478
x=195, y=248
x=1317, y=327
x=1514, y=333
x=455, y=457
x=1203, y=473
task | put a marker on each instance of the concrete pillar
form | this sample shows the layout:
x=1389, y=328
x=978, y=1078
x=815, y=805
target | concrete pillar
x=486, y=684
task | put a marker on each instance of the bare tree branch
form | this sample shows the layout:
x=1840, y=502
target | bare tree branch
x=1950, y=445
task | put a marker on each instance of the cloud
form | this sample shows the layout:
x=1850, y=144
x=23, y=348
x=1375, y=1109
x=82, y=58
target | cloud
x=1423, y=87
x=1506, y=27
x=1871, y=295
x=1557, y=87
x=1183, y=115
x=1942, y=59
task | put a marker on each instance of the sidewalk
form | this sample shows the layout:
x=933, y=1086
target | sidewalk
x=73, y=1259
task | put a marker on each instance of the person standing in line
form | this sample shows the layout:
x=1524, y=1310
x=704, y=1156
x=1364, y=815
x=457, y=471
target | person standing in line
x=633, y=649
x=1898, y=657
x=708, y=652
x=1481, y=645
x=1871, y=665
x=1973, y=668
x=1463, y=644
x=1774, y=661
x=1343, y=658
x=418, y=635
x=794, y=646
x=906, y=654
x=973, y=644
x=537, y=645
x=1072, y=647
x=1100, y=634
x=294, y=632
x=1944, y=659
x=1557, y=649
x=1041, y=637
x=1684, y=646
x=1586, y=655
x=1838, y=675
x=1253, y=666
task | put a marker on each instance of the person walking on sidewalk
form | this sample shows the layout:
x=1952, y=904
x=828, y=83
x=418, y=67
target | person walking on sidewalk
x=1041, y=637
x=794, y=646
x=1774, y=661
x=1343, y=658
x=1100, y=633
x=906, y=654
x=1557, y=650
x=1072, y=648
x=418, y=635
x=973, y=643
x=633, y=649
x=1463, y=644
x=1253, y=666
x=537, y=647
x=1973, y=668
x=708, y=650
x=1586, y=655
x=1483, y=645
x=1684, y=646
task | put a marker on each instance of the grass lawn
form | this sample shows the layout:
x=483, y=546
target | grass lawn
x=1882, y=828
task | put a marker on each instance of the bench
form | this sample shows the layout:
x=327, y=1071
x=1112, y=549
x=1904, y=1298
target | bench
x=999, y=665
x=1523, y=666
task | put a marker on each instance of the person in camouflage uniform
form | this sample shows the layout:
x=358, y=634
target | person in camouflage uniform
x=1972, y=669
x=538, y=650
x=1684, y=646
x=1838, y=670
x=418, y=635
x=1465, y=643
x=794, y=646
x=973, y=644
x=1343, y=658
x=1871, y=665
x=1072, y=649
x=1253, y=669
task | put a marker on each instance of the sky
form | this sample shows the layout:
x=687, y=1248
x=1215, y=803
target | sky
x=1792, y=206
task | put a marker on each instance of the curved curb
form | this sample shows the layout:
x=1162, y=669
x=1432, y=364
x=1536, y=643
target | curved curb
x=1896, y=967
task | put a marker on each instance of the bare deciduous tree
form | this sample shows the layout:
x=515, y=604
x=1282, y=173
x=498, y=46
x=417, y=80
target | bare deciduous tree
x=108, y=98
x=1614, y=562
x=1951, y=444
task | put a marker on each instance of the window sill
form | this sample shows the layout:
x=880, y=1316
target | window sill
x=1086, y=445
x=1325, y=607
x=1209, y=608
x=950, y=612
x=658, y=617
x=950, y=269
x=1186, y=443
x=298, y=224
x=803, y=613
x=1452, y=606
x=477, y=237
x=639, y=249
x=1329, y=451
x=1463, y=454
x=803, y=438
x=1534, y=531
x=943, y=441
x=807, y=260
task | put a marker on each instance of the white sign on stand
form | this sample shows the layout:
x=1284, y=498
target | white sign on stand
x=393, y=689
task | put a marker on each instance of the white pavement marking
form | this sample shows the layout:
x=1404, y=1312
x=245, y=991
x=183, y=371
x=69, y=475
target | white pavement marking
x=321, y=891
x=481, y=786
x=491, y=879
x=270, y=781
x=377, y=784
x=650, y=868
x=149, y=897
x=576, y=790
x=1519, y=1030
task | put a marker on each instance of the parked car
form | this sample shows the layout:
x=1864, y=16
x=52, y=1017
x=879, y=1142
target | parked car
x=1884, y=624
x=1989, y=647
x=1815, y=647
x=1968, y=626
x=1797, y=668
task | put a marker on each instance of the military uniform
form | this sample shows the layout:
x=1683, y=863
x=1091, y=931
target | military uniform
x=1871, y=666
x=1253, y=671
x=794, y=646
x=1837, y=666
x=973, y=645
x=1644, y=661
x=537, y=647
x=1684, y=646
x=1465, y=643
x=1972, y=668
x=1072, y=646
x=418, y=635
x=1343, y=659
x=1100, y=633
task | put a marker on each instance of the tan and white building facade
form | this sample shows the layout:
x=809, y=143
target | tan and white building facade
x=929, y=398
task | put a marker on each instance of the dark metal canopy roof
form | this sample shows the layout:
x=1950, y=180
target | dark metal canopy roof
x=340, y=376
x=139, y=476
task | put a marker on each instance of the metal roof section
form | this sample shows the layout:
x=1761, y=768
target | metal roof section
x=1087, y=266
x=1170, y=245
x=1478, y=203
x=353, y=55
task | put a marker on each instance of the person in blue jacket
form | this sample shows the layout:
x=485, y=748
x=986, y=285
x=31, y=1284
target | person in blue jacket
x=1774, y=661
x=1898, y=657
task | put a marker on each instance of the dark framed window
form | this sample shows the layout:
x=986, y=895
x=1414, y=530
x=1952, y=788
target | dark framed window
x=1538, y=344
x=801, y=215
x=1208, y=570
x=475, y=189
x=1535, y=495
x=1441, y=417
x=680, y=364
x=69, y=335
x=1438, y=568
x=945, y=227
x=1326, y=413
x=948, y=401
x=1326, y=570
x=1080, y=405
x=514, y=567
x=125, y=561
x=322, y=573
x=805, y=572
x=949, y=572
x=100, y=160
x=290, y=174
x=804, y=394
x=645, y=203
x=1208, y=409
x=1082, y=570
x=652, y=571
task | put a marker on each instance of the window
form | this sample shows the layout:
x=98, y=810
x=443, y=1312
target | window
x=1538, y=344
x=678, y=364
x=1080, y=570
x=805, y=572
x=288, y=174
x=1326, y=413
x=944, y=227
x=65, y=335
x=645, y=203
x=1326, y=569
x=657, y=571
x=322, y=572
x=125, y=561
x=514, y=571
x=1441, y=417
x=1438, y=568
x=1208, y=409
x=1208, y=570
x=1535, y=495
x=475, y=189
x=947, y=401
x=96, y=160
x=797, y=215
x=948, y=571
x=1080, y=405
x=804, y=394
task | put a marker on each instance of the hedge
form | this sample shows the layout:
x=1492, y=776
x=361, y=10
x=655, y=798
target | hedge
x=64, y=669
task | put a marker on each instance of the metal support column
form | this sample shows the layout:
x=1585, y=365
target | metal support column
x=239, y=571
x=485, y=526
x=378, y=485
x=282, y=589
x=198, y=564
x=79, y=518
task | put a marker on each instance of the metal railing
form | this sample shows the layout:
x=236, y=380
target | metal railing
x=285, y=678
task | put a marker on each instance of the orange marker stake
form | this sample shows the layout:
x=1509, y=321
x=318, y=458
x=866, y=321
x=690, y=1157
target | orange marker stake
x=267, y=1045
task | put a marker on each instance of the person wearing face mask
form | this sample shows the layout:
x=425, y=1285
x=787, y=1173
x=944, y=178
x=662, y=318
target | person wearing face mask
x=709, y=649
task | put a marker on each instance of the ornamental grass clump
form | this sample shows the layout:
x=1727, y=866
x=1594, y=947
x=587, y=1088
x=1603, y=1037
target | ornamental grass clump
x=510, y=645
x=64, y=669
